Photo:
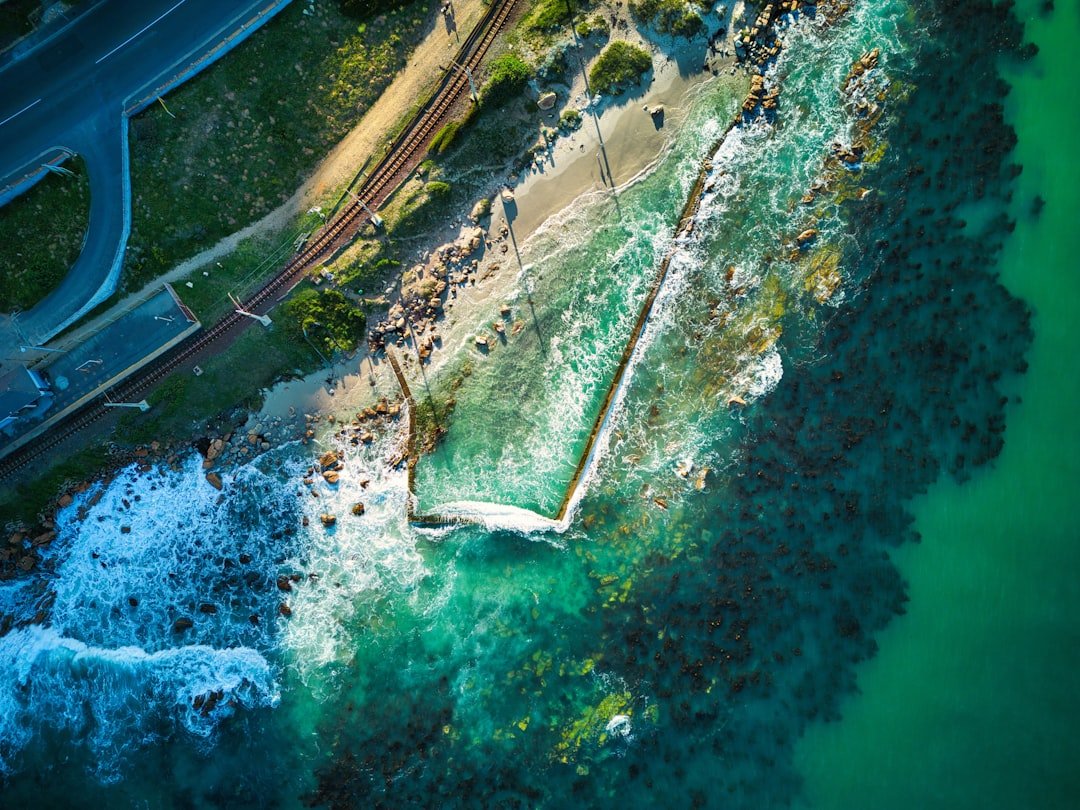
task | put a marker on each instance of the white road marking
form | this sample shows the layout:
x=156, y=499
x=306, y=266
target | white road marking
x=141, y=31
x=20, y=112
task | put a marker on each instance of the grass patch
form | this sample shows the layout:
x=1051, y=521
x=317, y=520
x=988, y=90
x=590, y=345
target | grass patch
x=41, y=234
x=251, y=128
x=17, y=18
x=332, y=322
x=23, y=501
x=619, y=64
x=236, y=378
x=675, y=17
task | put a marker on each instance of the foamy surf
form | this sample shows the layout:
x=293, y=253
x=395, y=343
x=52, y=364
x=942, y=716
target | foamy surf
x=116, y=698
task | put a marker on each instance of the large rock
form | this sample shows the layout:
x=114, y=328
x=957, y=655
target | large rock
x=328, y=459
x=546, y=100
x=214, y=479
x=182, y=624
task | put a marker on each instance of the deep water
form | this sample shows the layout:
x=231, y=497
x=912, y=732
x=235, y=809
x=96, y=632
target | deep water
x=731, y=569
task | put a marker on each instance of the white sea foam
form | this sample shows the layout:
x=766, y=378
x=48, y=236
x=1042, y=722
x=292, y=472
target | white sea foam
x=116, y=698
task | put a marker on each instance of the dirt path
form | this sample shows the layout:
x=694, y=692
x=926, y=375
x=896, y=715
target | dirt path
x=340, y=165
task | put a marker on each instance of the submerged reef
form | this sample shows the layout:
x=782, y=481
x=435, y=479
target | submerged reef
x=755, y=630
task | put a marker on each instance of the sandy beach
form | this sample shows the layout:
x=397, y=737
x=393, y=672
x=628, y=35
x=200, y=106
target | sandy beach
x=618, y=142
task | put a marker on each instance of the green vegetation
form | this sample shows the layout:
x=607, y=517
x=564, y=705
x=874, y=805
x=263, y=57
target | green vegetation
x=676, y=17
x=592, y=25
x=23, y=500
x=16, y=20
x=331, y=321
x=549, y=15
x=619, y=64
x=250, y=129
x=570, y=119
x=507, y=77
x=184, y=403
x=362, y=9
x=41, y=234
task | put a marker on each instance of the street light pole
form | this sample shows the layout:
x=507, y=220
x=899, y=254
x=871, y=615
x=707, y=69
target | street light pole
x=239, y=309
x=376, y=220
x=142, y=405
x=468, y=75
x=303, y=328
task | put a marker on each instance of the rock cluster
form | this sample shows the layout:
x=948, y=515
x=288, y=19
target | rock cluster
x=424, y=290
x=868, y=61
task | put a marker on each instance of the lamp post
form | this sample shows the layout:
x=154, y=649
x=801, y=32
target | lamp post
x=376, y=220
x=468, y=75
x=303, y=328
x=239, y=310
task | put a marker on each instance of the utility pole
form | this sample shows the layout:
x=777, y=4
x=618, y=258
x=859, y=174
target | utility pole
x=468, y=75
x=142, y=404
x=239, y=310
x=376, y=220
x=303, y=328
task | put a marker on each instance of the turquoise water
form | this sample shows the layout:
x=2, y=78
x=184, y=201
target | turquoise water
x=971, y=701
x=731, y=573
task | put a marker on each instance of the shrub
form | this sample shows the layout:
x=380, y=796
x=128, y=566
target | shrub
x=444, y=138
x=570, y=119
x=332, y=322
x=592, y=25
x=548, y=15
x=438, y=188
x=619, y=64
x=676, y=17
x=507, y=79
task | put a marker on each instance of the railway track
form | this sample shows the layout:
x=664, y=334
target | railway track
x=405, y=153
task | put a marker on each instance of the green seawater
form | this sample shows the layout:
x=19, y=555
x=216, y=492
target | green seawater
x=731, y=573
x=971, y=701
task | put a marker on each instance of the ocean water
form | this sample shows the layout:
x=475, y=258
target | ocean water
x=971, y=700
x=736, y=612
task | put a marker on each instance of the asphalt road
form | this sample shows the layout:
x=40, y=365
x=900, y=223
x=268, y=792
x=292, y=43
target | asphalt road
x=71, y=93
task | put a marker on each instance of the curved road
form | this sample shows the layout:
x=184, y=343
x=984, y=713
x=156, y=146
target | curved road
x=72, y=92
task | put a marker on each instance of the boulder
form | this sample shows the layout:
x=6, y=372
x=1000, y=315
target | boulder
x=327, y=519
x=358, y=509
x=546, y=100
x=214, y=479
x=182, y=624
x=331, y=476
x=328, y=459
x=65, y=500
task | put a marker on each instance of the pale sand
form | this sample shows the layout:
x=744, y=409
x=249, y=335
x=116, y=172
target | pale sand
x=366, y=139
x=632, y=144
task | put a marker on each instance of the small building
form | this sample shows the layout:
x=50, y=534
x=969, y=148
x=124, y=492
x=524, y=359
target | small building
x=23, y=392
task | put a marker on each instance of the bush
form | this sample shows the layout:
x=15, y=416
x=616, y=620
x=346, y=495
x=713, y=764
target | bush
x=592, y=25
x=570, y=119
x=507, y=79
x=438, y=188
x=548, y=15
x=620, y=64
x=333, y=323
x=676, y=17
x=444, y=138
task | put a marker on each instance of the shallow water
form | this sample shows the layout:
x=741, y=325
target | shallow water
x=729, y=572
